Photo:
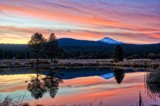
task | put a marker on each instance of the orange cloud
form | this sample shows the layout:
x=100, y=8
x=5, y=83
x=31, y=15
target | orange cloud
x=92, y=19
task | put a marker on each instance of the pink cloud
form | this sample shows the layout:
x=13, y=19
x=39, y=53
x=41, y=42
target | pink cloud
x=142, y=20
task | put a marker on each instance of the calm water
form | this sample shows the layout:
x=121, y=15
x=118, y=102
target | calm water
x=86, y=86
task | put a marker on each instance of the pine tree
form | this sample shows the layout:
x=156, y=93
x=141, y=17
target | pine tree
x=52, y=49
x=118, y=54
x=36, y=45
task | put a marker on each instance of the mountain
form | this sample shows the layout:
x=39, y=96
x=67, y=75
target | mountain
x=75, y=48
x=75, y=42
x=110, y=41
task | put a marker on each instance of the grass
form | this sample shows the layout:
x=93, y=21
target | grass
x=63, y=63
x=9, y=102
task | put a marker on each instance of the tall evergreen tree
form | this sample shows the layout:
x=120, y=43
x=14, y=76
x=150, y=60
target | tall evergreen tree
x=118, y=54
x=36, y=44
x=52, y=49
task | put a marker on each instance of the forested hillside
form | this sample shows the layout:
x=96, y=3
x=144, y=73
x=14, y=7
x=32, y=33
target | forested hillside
x=85, y=49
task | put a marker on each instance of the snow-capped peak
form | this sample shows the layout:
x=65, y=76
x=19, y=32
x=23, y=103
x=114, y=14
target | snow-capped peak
x=110, y=41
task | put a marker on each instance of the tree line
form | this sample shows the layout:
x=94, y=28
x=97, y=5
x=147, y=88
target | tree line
x=44, y=48
x=40, y=47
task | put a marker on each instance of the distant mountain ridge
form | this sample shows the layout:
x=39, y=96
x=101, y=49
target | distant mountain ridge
x=75, y=42
x=105, y=40
x=83, y=46
x=101, y=42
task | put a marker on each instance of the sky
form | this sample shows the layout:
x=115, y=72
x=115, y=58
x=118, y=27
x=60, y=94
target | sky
x=129, y=21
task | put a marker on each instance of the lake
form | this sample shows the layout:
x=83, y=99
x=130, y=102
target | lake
x=79, y=87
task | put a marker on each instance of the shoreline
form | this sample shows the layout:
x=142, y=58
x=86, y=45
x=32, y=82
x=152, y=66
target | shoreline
x=66, y=63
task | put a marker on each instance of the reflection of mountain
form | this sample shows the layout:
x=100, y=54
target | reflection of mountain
x=119, y=75
x=71, y=73
x=84, y=72
x=38, y=86
x=91, y=71
x=108, y=75
x=153, y=84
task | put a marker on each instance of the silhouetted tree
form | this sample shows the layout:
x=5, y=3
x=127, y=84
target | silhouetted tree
x=36, y=45
x=118, y=54
x=119, y=75
x=52, y=49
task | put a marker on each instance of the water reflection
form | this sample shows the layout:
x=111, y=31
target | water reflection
x=39, y=85
x=46, y=81
x=49, y=81
x=119, y=75
x=152, y=85
x=52, y=83
x=84, y=72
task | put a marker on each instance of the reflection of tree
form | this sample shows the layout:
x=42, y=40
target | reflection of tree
x=119, y=75
x=36, y=87
x=52, y=84
x=153, y=85
x=39, y=86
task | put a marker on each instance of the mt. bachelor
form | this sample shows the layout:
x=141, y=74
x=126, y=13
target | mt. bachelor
x=110, y=41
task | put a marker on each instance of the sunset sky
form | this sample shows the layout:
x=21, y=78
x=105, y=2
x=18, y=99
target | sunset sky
x=129, y=21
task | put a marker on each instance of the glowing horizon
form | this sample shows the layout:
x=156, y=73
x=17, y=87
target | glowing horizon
x=136, y=22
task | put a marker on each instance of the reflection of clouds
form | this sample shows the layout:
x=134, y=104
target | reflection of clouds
x=95, y=83
x=85, y=88
x=105, y=92
x=12, y=83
